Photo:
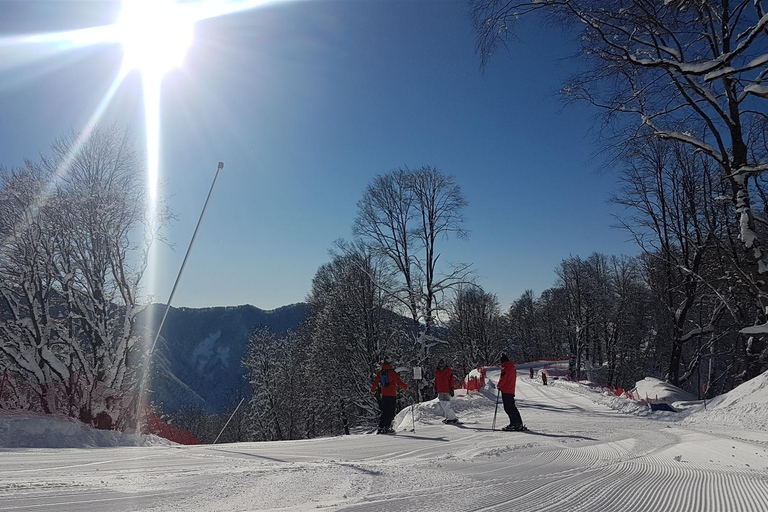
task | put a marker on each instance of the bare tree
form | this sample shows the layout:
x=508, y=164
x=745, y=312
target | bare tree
x=670, y=196
x=689, y=71
x=402, y=215
x=384, y=218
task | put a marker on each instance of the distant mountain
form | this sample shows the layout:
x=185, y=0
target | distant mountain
x=197, y=358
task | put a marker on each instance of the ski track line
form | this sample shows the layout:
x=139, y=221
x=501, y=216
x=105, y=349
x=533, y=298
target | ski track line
x=84, y=464
x=82, y=502
x=438, y=448
x=641, y=487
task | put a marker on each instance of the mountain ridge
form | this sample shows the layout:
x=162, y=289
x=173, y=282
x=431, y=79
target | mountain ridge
x=199, y=352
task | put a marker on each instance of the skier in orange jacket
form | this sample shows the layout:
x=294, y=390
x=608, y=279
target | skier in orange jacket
x=387, y=380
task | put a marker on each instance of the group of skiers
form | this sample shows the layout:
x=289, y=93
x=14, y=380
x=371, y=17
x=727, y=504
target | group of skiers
x=543, y=376
x=387, y=381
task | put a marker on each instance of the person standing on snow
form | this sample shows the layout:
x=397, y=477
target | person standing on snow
x=444, y=388
x=388, y=381
x=543, y=377
x=531, y=371
x=507, y=383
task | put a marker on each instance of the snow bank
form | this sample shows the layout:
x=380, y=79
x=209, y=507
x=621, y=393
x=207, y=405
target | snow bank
x=745, y=406
x=604, y=397
x=23, y=429
x=655, y=389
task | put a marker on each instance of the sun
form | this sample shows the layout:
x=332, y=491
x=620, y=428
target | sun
x=155, y=35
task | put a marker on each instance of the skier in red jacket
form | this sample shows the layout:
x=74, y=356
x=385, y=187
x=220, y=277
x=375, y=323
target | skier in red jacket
x=444, y=388
x=388, y=381
x=507, y=383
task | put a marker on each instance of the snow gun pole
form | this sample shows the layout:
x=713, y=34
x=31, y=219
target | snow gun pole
x=496, y=409
x=230, y=419
x=145, y=372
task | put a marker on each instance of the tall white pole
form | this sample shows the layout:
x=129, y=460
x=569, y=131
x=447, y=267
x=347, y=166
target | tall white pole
x=150, y=353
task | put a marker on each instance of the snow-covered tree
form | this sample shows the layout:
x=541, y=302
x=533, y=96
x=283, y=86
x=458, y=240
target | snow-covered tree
x=275, y=373
x=75, y=241
x=29, y=344
x=474, y=329
x=351, y=328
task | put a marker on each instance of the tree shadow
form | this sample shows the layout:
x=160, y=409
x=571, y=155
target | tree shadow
x=413, y=436
x=247, y=454
x=571, y=436
x=524, y=405
x=532, y=432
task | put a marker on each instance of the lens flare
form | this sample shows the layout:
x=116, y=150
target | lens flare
x=155, y=35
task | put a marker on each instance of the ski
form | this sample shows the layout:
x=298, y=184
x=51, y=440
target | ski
x=521, y=428
x=481, y=429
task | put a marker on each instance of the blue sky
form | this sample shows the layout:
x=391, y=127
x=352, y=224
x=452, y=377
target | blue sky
x=305, y=102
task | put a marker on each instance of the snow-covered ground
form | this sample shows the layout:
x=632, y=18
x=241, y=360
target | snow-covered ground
x=587, y=451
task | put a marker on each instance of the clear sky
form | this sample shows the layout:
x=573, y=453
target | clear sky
x=305, y=102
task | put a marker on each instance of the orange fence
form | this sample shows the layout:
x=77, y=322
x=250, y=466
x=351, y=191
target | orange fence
x=162, y=429
x=474, y=382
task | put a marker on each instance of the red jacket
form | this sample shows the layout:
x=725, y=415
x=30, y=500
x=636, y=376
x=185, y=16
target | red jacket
x=394, y=381
x=443, y=380
x=508, y=378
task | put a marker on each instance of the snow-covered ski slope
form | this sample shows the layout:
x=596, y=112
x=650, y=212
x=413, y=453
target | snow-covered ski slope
x=580, y=456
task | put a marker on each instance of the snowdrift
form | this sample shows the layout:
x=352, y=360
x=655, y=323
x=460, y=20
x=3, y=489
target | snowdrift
x=745, y=406
x=23, y=429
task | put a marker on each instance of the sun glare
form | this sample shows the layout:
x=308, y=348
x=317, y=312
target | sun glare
x=155, y=35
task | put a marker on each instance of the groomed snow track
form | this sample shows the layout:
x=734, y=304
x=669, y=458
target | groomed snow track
x=580, y=456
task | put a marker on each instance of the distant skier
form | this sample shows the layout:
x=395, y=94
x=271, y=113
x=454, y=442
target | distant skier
x=507, y=383
x=444, y=388
x=543, y=377
x=388, y=381
x=531, y=371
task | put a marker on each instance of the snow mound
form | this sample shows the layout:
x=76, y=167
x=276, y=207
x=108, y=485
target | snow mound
x=655, y=389
x=468, y=408
x=24, y=429
x=745, y=406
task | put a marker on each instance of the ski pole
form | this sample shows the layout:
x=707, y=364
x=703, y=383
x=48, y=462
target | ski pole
x=496, y=409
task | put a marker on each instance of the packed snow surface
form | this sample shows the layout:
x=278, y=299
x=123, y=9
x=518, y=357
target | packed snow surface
x=585, y=452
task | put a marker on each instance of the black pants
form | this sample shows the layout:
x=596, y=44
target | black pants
x=511, y=409
x=387, y=406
